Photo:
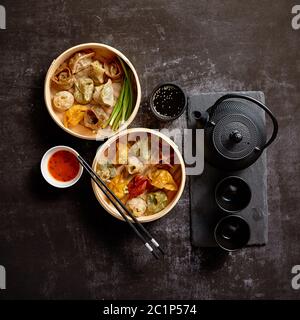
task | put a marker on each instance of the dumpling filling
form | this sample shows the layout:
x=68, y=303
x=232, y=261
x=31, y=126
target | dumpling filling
x=95, y=118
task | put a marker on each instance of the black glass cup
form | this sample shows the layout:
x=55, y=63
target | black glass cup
x=168, y=101
x=232, y=194
x=232, y=233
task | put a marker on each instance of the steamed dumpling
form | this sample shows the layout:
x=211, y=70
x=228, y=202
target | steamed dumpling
x=156, y=201
x=141, y=149
x=80, y=61
x=63, y=100
x=137, y=206
x=106, y=171
x=97, y=72
x=104, y=94
x=95, y=117
x=84, y=88
x=134, y=165
x=113, y=70
x=63, y=78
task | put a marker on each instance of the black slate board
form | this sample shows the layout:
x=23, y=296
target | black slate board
x=204, y=212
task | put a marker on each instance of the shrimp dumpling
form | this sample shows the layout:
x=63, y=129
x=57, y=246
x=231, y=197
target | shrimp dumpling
x=138, y=206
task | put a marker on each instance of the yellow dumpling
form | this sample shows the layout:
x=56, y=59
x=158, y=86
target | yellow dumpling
x=74, y=115
x=118, y=185
x=162, y=179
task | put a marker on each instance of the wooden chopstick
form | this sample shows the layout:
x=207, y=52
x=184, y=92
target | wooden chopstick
x=110, y=194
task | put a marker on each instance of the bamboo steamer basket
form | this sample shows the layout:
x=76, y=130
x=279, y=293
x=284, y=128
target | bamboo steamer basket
x=181, y=184
x=103, y=51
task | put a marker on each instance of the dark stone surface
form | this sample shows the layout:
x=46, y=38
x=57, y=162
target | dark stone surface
x=205, y=213
x=61, y=244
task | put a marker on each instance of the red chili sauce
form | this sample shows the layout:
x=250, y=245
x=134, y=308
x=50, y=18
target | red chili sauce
x=63, y=165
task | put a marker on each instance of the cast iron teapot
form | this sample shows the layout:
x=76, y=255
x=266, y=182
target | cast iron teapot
x=234, y=131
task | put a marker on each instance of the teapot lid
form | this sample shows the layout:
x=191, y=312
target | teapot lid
x=236, y=136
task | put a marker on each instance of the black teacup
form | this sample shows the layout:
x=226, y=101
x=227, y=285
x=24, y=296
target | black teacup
x=232, y=194
x=232, y=233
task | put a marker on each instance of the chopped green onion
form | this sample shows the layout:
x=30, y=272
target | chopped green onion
x=124, y=105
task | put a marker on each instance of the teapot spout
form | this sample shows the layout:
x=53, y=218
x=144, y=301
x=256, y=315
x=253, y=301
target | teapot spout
x=202, y=118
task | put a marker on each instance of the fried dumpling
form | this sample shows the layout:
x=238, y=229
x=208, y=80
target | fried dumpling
x=104, y=94
x=80, y=61
x=74, y=115
x=94, y=118
x=63, y=100
x=84, y=88
x=97, y=72
x=113, y=70
x=63, y=78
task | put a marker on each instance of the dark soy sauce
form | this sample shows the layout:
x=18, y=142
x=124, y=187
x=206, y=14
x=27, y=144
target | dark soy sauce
x=168, y=101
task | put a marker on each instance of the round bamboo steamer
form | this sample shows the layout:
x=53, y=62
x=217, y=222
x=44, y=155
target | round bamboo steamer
x=109, y=207
x=103, y=51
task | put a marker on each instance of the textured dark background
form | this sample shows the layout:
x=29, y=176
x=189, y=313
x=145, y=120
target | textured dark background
x=61, y=244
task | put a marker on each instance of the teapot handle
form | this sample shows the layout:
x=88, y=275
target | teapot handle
x=260, y=104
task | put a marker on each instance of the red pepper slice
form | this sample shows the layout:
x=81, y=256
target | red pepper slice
x=137, y=186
